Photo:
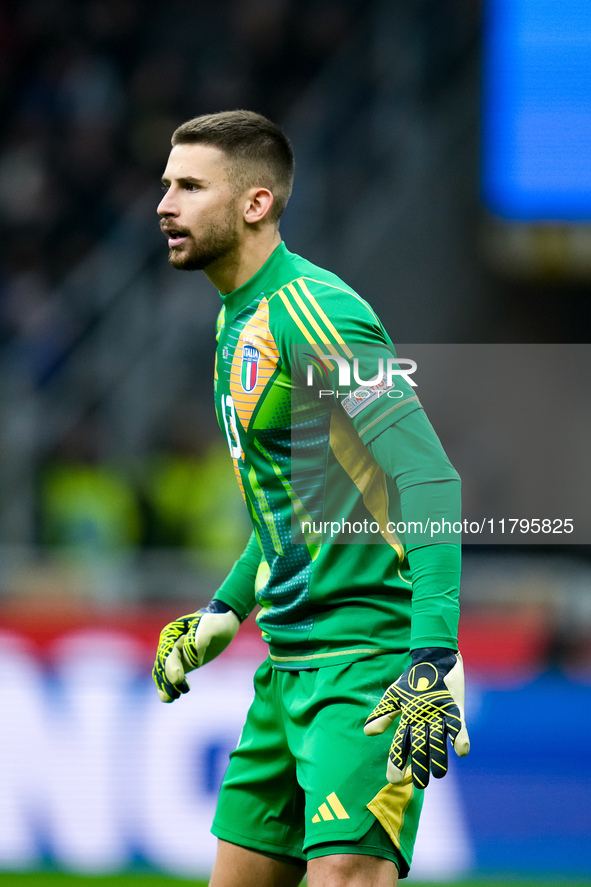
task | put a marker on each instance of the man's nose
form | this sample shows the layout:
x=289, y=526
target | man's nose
x=167, y=206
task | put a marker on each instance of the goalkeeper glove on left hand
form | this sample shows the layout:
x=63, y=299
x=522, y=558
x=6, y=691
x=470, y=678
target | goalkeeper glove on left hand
x=190, y=642
x=429, y=697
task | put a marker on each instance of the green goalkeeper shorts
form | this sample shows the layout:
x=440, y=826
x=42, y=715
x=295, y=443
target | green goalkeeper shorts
x=305, y=780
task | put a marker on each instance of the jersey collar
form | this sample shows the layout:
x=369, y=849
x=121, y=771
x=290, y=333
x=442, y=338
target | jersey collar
x=258, y=285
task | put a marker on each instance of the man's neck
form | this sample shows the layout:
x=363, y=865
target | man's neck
x=230, y=272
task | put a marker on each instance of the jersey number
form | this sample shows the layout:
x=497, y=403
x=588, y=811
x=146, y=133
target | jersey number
x=231, y=426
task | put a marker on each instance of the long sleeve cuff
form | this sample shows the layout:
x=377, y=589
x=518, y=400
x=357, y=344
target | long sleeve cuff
x=238, y=588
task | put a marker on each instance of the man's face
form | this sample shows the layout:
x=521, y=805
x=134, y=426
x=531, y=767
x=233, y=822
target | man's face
x=199, y=211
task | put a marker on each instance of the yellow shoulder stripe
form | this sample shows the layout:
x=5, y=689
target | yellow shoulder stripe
x=308, y=336
x=305, y=332
x=307, y=313
x=308, y=324
x=330, y=326
x=343, y=290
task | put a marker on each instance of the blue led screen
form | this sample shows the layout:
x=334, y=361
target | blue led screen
x=536, y=113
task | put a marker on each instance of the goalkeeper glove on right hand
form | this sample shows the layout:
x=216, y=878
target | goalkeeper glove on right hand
x=190, y=642
x=429, y=697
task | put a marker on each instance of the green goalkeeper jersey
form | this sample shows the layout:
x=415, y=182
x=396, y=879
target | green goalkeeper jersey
x=308, y=396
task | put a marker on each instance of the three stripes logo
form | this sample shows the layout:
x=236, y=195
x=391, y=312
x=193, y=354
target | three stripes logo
x=335, y=810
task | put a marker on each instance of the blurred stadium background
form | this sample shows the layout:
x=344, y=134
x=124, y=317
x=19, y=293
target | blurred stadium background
x=444, y=170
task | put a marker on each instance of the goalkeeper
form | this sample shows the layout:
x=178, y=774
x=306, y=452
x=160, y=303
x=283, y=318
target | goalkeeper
x=362, y=689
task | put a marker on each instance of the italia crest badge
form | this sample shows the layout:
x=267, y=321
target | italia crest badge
x=250, y=367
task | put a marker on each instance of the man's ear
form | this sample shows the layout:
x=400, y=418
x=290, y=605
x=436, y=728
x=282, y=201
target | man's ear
x=257, y=205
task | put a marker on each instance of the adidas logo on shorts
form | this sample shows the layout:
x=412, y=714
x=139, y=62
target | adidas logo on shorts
x=326, y=812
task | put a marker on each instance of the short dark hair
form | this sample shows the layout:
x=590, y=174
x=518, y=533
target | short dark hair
x=259, y=151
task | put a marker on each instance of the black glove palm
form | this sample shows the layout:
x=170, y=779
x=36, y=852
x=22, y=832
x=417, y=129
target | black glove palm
x=429, y=697
x=190, y=642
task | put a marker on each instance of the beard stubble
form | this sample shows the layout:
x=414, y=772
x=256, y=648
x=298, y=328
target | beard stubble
x=216, y=242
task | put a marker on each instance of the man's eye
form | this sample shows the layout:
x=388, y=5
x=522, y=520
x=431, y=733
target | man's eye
x=190, y=186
